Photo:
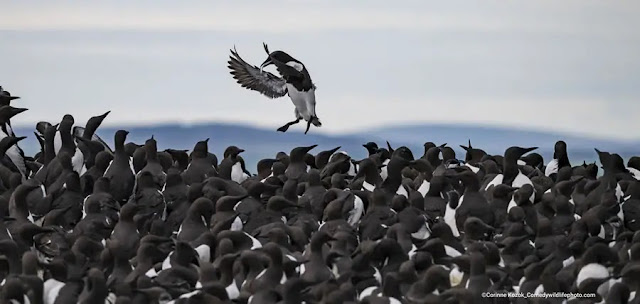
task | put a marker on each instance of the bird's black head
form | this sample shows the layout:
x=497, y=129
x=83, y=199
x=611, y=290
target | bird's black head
x=232, y=151
x=120, y=137
x=9, y=141
x=5, y=96
x=560, y=149
x=371, y=147
x=634, y=162
x=280, y=58
x=268, y=61
x=8, y=112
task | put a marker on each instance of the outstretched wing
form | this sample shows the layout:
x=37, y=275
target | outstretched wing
x=250, y=77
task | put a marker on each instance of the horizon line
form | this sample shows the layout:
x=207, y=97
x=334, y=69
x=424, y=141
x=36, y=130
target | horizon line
x=350, y=132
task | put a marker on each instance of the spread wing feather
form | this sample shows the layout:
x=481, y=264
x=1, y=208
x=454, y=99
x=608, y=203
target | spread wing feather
x=250, y=77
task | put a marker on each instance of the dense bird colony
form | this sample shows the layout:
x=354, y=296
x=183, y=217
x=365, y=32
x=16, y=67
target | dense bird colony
x=92, y=220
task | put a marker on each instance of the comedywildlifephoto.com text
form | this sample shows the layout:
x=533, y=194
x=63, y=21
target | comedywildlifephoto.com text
x=564, y=295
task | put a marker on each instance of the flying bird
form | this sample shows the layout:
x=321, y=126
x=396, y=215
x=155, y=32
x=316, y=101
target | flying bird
x=294, y=81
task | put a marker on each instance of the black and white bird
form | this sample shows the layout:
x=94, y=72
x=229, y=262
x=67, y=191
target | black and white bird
x=6, y=98
x=14, y=152
x=295, y=82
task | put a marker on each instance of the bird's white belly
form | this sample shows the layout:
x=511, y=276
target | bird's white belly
x=383, y=171
x=356, y=213
x=552, y=167
x=450, y=219
x=305, y=102
x=495, y=181
x=424, y=188
x=78, y=162
x=521, y=180
x=57, y=142
x=237, y=175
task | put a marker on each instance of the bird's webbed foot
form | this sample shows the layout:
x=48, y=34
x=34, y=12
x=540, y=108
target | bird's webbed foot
x=286, y=126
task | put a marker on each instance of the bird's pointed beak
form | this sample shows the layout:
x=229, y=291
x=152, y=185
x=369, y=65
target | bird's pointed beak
x=17, y=111
x=527, y=150
x=266, y=63
x=309, y=148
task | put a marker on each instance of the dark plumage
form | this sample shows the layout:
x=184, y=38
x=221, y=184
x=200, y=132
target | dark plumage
x=148, y=226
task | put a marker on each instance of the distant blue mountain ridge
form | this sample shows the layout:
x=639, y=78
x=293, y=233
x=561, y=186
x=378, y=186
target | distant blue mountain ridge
x=263, y=143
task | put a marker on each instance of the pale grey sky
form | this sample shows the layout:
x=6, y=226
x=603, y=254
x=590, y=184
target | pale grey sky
x=567, y=66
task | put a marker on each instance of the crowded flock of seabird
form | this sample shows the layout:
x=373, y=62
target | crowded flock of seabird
x=106, y=220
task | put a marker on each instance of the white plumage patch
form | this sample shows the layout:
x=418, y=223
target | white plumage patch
x=166, y=264
x=602, y=233
x=377, y=275
x=592, y=271
x=232, y=290
x=552, y=167
x=367, y=292
x=237, y=175
x=237, y=224
x=495, y=181
x=512, y=204
x=255, y=243
x=368, y=187
x=356, y=213
x=423, y=233
x=455, y=276
x=473, y=168
x=189, y=294
x=204, y=252
x=568, y=261
x=402, y=191
x=452, y=252
x=424, y=188
x=51, y=289
x=383, y=172
x=450, y=218
x=305, y=102
x=521, y=180
x=296, y=65
x=151, y=273
x=78, y=162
